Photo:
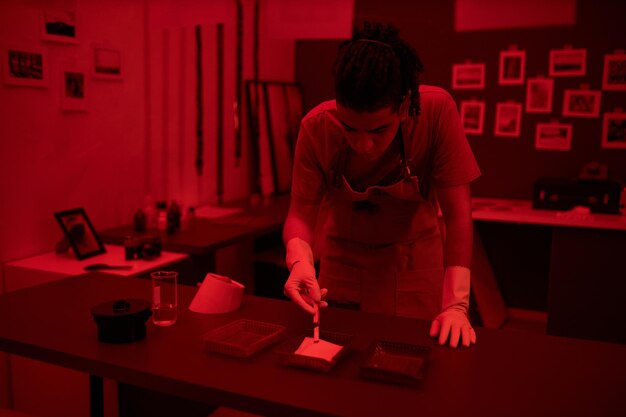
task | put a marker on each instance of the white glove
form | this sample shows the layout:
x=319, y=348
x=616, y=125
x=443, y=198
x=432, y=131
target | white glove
x=302, y=286
x=453, y=321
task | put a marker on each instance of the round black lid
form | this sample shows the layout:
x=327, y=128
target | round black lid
x=122, y=308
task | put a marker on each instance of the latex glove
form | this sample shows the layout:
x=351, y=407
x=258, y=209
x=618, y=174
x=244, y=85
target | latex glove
x=453, y=322
x=302, y=286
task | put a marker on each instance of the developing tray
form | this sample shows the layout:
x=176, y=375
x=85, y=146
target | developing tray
x=396, y=363
x=290, y=358
x=242, y=338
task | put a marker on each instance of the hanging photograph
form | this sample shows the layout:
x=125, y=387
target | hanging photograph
x=473, y=116
x=508, y=119
x=512, y=65
x=539, y=92
x=553, y=136
x=107, y=64
x=468, y=76
x=24, y=67
x=614, y=77
x=73, y=90
x=568, y=62
x=581, y=103
x=58, y=26
x=614, y=130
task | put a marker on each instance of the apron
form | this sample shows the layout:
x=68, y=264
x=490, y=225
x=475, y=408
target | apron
x=383, y=250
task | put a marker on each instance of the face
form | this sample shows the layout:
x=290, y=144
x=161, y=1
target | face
x=369, y=134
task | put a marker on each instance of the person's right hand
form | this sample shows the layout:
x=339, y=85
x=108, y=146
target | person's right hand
x=303, y=289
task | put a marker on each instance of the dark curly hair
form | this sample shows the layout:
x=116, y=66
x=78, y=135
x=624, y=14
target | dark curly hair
x=376, y=68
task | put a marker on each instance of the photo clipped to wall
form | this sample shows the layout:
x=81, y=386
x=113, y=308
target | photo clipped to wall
x=539, y=93
x=614, y=130
x=614, y=75
x=553, y=136
x=581, y=103
x=468, y=76
x=472, y=116
x=508, y=119
x=512, y=67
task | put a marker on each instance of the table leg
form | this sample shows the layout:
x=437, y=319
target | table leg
x=96, y=396
x=491, y=306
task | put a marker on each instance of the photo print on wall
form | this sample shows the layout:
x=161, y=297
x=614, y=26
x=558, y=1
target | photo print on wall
x=25, y=67
x=59, y=26
x=512, y=67
x=553, y=136
x=581, y=103
x=508, y=119
x=539, y=93
x=468, y=76
x=472, y=116
x=568, y=62
x=614, y=75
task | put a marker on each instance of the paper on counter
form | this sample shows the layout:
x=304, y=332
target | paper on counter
x=212, y=212
x=323, y=349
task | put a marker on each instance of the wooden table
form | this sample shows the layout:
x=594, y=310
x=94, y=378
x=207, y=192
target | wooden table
x=583, y=263
x=203, y=237
x=506, y=373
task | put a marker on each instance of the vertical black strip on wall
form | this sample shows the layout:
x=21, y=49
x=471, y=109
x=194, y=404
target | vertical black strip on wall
x=270, y=136
x=238, y=82
x=199, y=111
x=289, y=137
x=220, y=112
x=256, y=168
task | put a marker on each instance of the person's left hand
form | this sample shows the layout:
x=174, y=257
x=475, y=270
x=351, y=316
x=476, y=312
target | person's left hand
x=453, y=323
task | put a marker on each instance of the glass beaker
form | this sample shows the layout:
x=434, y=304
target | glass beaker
x=164, y=297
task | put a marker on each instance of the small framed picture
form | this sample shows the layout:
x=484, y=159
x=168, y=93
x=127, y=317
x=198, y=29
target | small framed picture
x=581, y=103
x=512, y=67
x=73, y=89
x=468, y=76
x=27, y=67
x=614, y=77
x=614, y=130
x=80, y=233
x=568, y=62
x=59, y=26
x=473, y=116
x=553, y=136
x=508, y=119
x=107, y=63
x=539, y=93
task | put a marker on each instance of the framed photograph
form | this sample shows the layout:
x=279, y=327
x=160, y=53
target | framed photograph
x=80, y=233
x=468, y=76
x=568, y=62
x=539, y=93
x=553, y=136
x=508, y=119
x=107, y=63
x=59, y=26
x=614, y=77
x=512, y=67
x=614, y=130
x=73, y=89
x=26, y=67
x=581, y=103
x=473, y=117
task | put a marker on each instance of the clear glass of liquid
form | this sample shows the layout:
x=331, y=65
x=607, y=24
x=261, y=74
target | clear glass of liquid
x=164, y=297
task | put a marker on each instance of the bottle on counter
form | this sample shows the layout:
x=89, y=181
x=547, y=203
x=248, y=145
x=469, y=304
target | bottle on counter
x=161, y=215
x=173, y=217
x=150, y=213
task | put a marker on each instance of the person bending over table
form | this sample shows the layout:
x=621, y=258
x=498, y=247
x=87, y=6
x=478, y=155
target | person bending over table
x=386, y=155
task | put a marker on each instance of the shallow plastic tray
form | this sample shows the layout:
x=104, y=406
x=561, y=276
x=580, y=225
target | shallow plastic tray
x=396, y=363
x=242, y=338
x=289, y=358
